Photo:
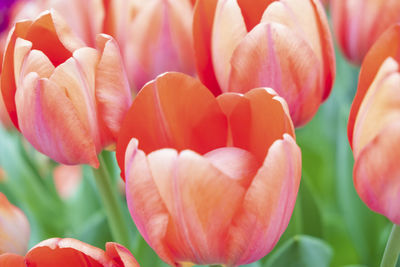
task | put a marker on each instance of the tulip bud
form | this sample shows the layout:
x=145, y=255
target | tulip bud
x=71, y=252
x=358, y=24
x=14, y=228
x=68, y=100
x=208, y=180
x=374, y=129
x=285, y=45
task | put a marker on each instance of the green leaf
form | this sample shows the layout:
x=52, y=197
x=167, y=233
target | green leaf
x=301, y=251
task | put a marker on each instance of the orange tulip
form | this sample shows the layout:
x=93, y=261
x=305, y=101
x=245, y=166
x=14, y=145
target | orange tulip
x=68, y=100
x=359, y=23
x=154, y=35
x=285, y=45
x=14, y=228
x=208, y=180
x=71, y=252
x=374, y=129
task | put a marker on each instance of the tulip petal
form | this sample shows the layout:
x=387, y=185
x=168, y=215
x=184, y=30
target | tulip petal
x=380, y=106
x=50, y=34
x=200, y=199
x=267, y=205
x=7, y=260
x=229, y=29
x=121, y=255
x=144, y=201
x=8, y=85
x=174, y=111
x=252, y=11
x=67, y=252
x=308, y=18
x=14, y=228
x=250, y=118
x=376, y=172
x=274, y=56
x=77, y=77
x=54, y=131
x=203, y=20
x=388, y=45
x=112, y=89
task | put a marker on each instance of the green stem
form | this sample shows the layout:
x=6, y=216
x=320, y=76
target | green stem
x=112, y=204
x=392, y=249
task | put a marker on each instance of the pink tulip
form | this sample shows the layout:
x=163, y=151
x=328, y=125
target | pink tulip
x=208, y=180
x=14, y=228
x=359, y=23
x=67, y=99
x=67, y=179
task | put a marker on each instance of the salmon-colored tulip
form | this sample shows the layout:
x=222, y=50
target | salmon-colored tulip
x=68, y=100
x=285, y=45
x=359, y=23
x=208, y=180
x=374, y=129
x=155, y=36
x=67, y=179
x=14, y=228
x=71, y=252
x=159, y=39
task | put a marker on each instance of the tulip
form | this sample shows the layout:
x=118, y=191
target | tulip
x=208, y=180
x=68, y=100
x=67, y=179
x=71, y=252
x=159, y=39
x=154, y=35
x=358, y=24
x=14, y=228
x=374, y=129
x=285, y=45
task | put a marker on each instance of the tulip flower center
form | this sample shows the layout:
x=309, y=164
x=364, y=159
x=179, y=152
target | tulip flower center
x=44, y=38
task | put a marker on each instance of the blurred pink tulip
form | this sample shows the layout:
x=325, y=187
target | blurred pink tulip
x=68, y=100
x=67, y=180
x=357, y=24
x=14, y=228
x=69, y=252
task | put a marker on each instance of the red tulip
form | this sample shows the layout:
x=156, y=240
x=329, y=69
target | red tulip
x=68, y=100
x=359, y=23
x=374, y=129
x=71, y=252
x=14, y=228
x=208, y=180
x=285, y=45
